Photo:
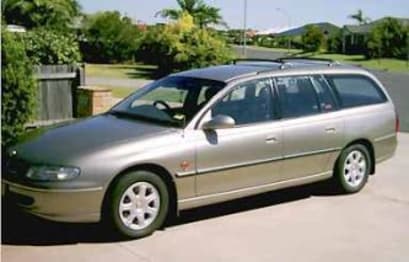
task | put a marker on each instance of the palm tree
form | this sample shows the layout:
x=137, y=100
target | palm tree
x=359, y=17
x=203, y=14
x=35, y=13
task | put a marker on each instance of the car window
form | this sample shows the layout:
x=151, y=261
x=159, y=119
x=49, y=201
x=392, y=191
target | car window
x=297, y=96
x=250, y=102
x=173, y=100
x=355, y=90
x=174, y=97
x=326, y=98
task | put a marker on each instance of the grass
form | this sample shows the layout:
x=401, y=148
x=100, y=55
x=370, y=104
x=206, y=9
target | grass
x=135, y=71
x=388, y=64
x=119, y=91
x=171, y=95
x=275, y=49
x=122, y=92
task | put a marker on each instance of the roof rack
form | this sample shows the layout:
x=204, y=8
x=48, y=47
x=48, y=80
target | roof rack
x=287, y=62
x=282, y=64
x=236, y=61
x=310, y=60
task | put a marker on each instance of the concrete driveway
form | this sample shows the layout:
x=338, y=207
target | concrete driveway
x=308, y=223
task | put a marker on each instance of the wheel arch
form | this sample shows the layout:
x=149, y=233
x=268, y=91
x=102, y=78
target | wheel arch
x=162, y=172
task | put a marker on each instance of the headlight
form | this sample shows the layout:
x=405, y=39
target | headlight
x=52, y=173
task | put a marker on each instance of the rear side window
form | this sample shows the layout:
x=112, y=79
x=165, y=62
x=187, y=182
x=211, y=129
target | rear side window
x=325, y=95
x=297, y=96
x=355, y=90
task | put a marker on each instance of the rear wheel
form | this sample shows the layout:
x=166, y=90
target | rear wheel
x=352, y=168
x=138, y=204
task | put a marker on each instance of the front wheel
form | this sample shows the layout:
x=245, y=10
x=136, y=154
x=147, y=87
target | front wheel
x=138, y=204
x=352, y=168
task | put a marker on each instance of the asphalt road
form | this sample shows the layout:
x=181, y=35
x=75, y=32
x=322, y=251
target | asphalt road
x=397, y=84
x=308, y=223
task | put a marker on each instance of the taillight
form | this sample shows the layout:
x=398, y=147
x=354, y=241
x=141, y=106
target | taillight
x=397, y=123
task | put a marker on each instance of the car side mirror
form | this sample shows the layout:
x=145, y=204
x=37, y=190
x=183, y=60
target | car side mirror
x=219, y=122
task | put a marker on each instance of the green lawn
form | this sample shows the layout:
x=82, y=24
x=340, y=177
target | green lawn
x=121, y=92
x=389, y=64
x=281, y=50
x=159, y=94
x=136, y=71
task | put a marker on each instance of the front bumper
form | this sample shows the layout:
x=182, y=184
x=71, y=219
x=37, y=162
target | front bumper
x=63, y=205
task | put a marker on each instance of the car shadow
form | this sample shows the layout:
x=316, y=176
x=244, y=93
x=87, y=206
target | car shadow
x=19, y=228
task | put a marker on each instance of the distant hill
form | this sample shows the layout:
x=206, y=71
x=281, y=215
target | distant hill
x=325, y=27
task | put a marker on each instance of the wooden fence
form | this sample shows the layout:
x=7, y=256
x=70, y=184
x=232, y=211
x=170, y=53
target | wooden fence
x=56, y=94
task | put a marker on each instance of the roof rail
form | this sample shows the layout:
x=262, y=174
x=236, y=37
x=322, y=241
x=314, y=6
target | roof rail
x=262, y=60
x=311, y=60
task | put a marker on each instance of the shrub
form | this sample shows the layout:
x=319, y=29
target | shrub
x=18, y=88
x=312, y=39
x=181, y=46
x=388, y=39
x=51, y=47
x=109, y=37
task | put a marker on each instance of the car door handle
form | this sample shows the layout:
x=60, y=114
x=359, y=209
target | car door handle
x=330, y=130
x=271, y=140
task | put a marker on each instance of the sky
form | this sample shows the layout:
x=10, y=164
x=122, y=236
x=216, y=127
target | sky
x=262, y=14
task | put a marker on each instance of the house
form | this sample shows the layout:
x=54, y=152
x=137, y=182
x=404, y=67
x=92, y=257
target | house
x=354, y=37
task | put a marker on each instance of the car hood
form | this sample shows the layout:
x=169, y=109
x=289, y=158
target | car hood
x=59, y=145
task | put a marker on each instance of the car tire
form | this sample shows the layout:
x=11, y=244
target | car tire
x=137, y=205
x=352, y=168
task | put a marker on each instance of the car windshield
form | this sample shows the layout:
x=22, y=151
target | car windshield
x=173, y=100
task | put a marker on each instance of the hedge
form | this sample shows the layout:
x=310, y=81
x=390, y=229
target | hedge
x=18, y=88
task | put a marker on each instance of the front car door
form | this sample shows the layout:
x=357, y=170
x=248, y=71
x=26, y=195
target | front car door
x=312, y=129
x=245, y=155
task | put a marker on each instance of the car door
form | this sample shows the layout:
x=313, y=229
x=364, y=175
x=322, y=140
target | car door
x=312, y=129
x=246, y=155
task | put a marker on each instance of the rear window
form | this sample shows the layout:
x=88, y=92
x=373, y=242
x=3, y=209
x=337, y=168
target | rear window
x=355, y=90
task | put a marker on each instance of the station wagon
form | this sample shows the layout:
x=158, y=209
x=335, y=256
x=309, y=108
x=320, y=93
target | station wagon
x=205, y=136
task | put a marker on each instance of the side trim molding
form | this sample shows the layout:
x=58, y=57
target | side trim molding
x=256, y=162
x=379, y=139
x=225, y=196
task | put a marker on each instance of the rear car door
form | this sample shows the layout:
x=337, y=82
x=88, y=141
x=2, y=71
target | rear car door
x=312, y=131
x=246, y=155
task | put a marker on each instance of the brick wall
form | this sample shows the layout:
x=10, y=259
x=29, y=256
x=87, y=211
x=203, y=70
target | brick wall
x=93, y=100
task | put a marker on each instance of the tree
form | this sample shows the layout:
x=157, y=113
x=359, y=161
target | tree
x=359, y=17
x=57, y=14
x=183, y=45
x=18, y=88
x=388, y=39
x=312, y=39
x=203, y=14
x=109, y=37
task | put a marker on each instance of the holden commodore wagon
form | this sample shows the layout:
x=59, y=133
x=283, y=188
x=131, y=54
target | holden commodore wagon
x=206, y=136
